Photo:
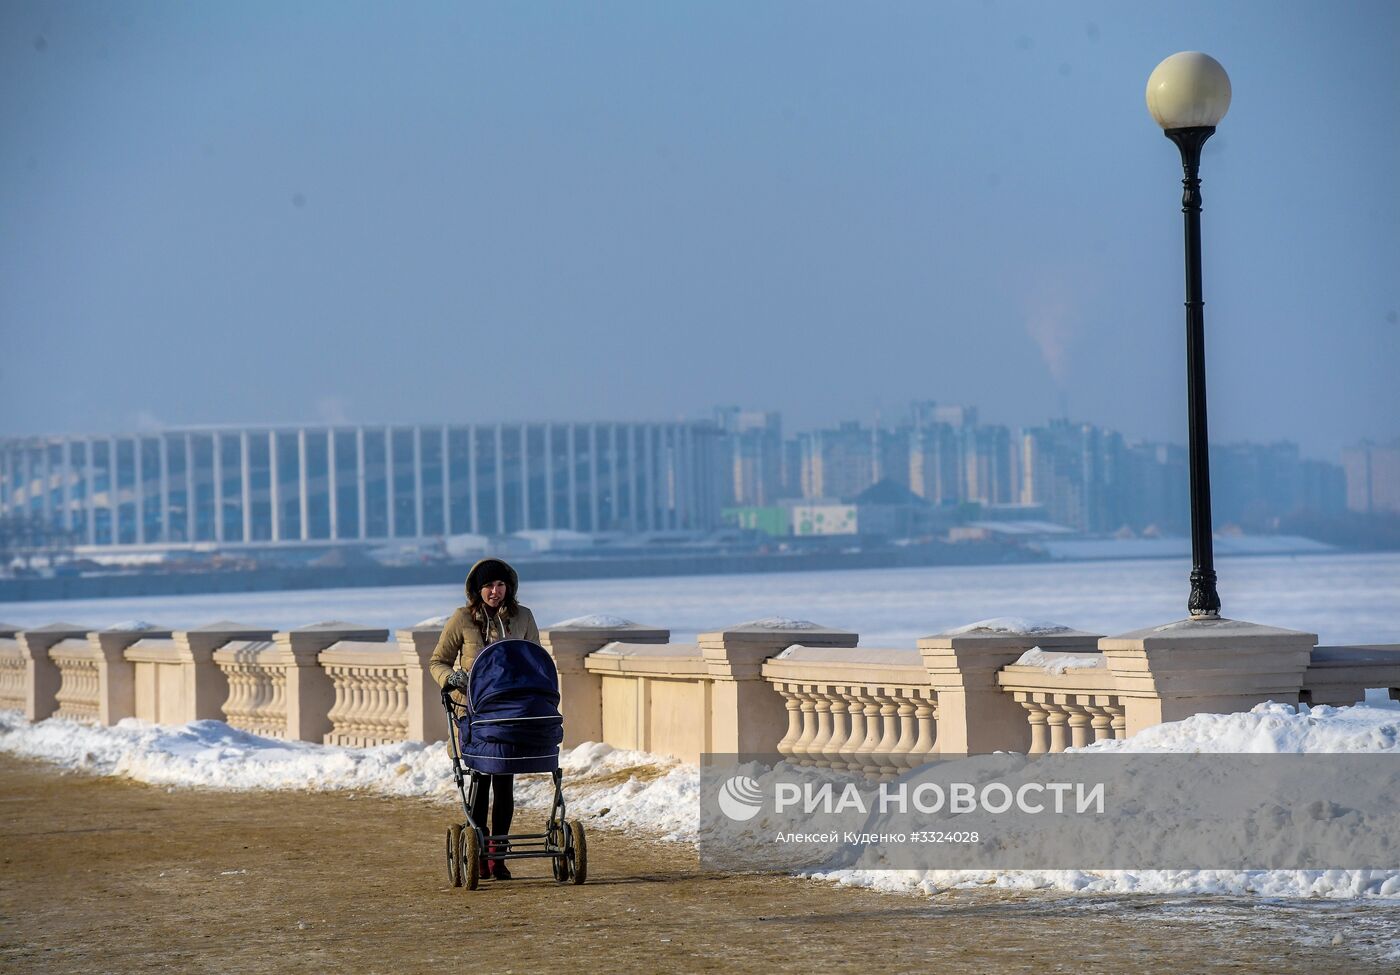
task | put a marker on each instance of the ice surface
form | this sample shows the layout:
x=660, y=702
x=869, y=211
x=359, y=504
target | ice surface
x=1350, y=599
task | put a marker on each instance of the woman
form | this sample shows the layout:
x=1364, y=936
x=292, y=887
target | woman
x=491, y=614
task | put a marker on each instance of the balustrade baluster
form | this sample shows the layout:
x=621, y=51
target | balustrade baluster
x=1037, y=717
x=1057, y=719
x=807, y=707
x=816, y=751
x=846, y=724
x=1078, y=725
x=908, y=730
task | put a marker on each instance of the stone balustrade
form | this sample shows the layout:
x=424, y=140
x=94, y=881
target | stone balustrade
x=176, y=679
x=77, y=696
x=770, y=687
x=12, y=669
x=371, y=693
x=1341, y=675
x=1070, y=699
x=581, y=689
x=257, y=687
x=41, y=676
x=655, y=698
x=866, y=710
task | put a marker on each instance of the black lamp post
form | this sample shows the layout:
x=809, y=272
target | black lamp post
x=1188, y=94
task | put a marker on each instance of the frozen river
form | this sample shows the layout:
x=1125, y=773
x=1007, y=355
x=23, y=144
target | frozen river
x=1343, y=598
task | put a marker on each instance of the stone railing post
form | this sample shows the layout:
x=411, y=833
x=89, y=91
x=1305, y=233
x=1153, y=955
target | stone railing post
x=116, y=676
x=1218, y=666
x=204, y=685
x=580, y=691
x=427, y=721
x=310, y=693
x=41, y=677
x=975, y=716
x=12, y=668
x=748, y=714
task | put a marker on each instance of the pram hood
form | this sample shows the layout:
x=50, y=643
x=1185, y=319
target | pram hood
x=513, y=678
x=512, y=722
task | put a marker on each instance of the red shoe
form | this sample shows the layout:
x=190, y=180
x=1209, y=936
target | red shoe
x=499, y=870
x=485, y=868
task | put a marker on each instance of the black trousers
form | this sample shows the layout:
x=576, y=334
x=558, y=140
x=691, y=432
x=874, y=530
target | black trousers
x=502, y=810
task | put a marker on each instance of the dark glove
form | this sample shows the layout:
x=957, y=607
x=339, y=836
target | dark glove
x=458, y=679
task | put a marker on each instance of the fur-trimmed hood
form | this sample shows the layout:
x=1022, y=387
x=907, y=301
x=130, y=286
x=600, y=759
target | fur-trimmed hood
x=512, y=577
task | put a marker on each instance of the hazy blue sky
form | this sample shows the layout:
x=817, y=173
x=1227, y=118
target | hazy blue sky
x=277, y=212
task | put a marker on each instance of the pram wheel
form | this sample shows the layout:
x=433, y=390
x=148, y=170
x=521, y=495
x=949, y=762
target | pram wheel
x=559, y=864
x=454, y=854
x=470, y=848
x=578, y=853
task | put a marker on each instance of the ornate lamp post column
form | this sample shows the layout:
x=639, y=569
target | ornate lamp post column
x=1188, y=94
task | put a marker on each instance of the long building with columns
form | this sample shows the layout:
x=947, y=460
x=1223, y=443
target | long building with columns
x=261, y=486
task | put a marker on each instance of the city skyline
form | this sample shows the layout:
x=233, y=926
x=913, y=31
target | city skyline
x=270, y=485
x=886, y=419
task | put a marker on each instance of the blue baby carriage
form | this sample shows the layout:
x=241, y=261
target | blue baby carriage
x=511, y=724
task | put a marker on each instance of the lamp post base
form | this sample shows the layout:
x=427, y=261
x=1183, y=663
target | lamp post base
x=1204, y=603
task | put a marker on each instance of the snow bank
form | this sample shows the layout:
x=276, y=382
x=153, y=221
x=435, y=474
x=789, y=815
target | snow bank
x=1058, y=663
x=617, y=788
x=1270, y=728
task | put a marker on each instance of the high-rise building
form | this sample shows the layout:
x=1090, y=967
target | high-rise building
x=989, y=465
x=1252, y=484
x=1322, y=487
x=1156, y=488
x=1373, y=477
x=751, y=448
x=1077, y=471
x=837, y=463
x=936, y=464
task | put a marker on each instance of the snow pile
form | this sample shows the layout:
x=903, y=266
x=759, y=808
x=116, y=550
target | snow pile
x=617, y=788
x=623, y=789
x=212, y=755
x=1010, y=626
x=1270, y=728
x=1058, y=663
x=133, y=626
x=434, y=621
x=780, y=623
x=1261, y=883
x=600, y=621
